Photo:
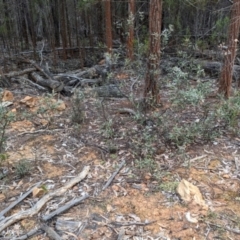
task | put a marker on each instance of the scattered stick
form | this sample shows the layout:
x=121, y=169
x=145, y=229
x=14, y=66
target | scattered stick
x=37, y=207
x=14, y=74
x=127, y=110
x=113, y=176
x=121, y=224
x=37, y=131
x=197, y=158
x=18, y=201
x=237, y=231
x=39, y=87
x=133, y=84
x=64, y=208
x=27, y=235
x=51, y=215
x=50, y=232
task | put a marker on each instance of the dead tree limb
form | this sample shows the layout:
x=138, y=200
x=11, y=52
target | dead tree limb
x=56, y=86
x=113, y=176
x=50, y=232
x=37, y=207
x=19, y=73
x=64, y=208
x=11, y=206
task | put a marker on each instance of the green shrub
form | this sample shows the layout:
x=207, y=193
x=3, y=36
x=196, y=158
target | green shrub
x=23, y=168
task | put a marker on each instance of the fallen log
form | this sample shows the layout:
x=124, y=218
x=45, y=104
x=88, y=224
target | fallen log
x=110, y=90
x=213, y=68
x=54, y=85
x=18, y=73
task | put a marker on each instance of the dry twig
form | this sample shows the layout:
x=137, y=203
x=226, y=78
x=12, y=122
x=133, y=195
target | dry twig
x=113, y=176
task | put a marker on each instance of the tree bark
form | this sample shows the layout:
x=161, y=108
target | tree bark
x=155, y=18
x=108, y=25
x=131, y=20
x=225, y=79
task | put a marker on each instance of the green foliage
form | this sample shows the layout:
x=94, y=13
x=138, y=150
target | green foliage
x=219, y=33
x=77, y=113
x=193, y=95
x=229, y=112
x=3, y=29
x=166, y=34
x=146, y=165
x=84, y=4
x=3, y=158
x=23, y=168
x=168, y=186
x=107, y=129
x=5, y=119
x=141, y=48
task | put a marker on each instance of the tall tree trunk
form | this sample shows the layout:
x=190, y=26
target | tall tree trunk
x=55, y=17
x=225, y=79
x=63, y=28
x=108, y=25
x=151, y=91
x=131, y=20
x=29, y=5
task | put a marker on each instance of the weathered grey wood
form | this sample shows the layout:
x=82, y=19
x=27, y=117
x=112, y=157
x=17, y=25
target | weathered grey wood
x=52, y=84
x=109, y=91
x=6, y=222
x=12, y=205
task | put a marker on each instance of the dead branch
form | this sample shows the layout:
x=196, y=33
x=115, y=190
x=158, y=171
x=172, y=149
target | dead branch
x=113, y=176
x=37, y=67
x=127, y=110
x=11, y=206
x=53, y=214
x=121, y=224
x=37, y=207
x=23, y=79
x=19, y=73
x=52, y=84
x=27, y=235
x=64, y=208
x=50, y=232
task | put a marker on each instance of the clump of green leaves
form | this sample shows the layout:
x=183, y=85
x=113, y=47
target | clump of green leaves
x=77, y=113
x=6, y=118
x=107, y=128
x=169, y=186
x=23, y=168
x=229, y=112
x=193, y=95
x=146, y=164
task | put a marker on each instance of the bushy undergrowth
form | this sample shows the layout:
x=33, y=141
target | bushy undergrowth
x=6, y=118
x=193, y=117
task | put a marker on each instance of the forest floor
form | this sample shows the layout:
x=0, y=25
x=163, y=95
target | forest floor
x=46, y=144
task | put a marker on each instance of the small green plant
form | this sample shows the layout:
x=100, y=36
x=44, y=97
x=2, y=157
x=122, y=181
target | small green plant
x=229, y=112
x=146, y=164
x=5, y=119
x=77, y=113
x=168, y=186
x=22, y=168
x=3, y=158
x=107, y=129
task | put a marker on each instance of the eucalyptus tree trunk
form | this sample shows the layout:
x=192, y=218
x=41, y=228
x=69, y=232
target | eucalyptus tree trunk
x=131, y=20
x=225, y=80
x=63, y=28
x=151, y=92
x=108, y=25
